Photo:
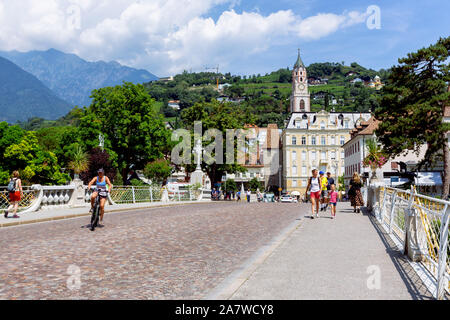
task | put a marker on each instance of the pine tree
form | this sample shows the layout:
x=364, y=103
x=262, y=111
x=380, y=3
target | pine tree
x=411, y=110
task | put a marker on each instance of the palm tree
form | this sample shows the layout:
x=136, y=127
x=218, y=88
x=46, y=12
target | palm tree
x=375, y=157
x=80, y=162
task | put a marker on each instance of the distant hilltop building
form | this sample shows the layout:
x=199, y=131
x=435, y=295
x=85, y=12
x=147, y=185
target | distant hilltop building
x=166, y=79
x=374, y=83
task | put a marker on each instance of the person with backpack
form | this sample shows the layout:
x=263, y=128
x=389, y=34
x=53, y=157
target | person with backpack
x=314, y=189
x=15, y=194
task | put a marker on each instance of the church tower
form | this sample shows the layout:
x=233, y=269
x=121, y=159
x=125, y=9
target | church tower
x=300, y=98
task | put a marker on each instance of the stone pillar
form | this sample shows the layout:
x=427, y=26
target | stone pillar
x=416, y=240
x=77, y=199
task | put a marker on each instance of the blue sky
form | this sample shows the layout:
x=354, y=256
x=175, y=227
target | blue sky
x=242, y=36
x=406, y=26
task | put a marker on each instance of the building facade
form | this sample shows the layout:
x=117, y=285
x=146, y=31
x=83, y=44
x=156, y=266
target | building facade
x=263, y=160
x=397, y=170
x=313, y=140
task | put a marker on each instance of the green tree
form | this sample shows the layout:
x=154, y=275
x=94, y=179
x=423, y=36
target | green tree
x=411, y=110
x=127, y=118
x=255, y=184
x=80, y=161
x=230, y=185
x=36, y=165
x=158, y=171
x=220, y=116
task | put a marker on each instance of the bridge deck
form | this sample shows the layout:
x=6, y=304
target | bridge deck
x=335, y=259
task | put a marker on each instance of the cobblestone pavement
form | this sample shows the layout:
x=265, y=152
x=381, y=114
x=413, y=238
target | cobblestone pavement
x=165, y=253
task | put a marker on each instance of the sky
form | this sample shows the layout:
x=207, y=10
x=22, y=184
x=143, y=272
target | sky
x=243, y=37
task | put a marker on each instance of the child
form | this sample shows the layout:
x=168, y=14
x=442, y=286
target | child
x=333, y=200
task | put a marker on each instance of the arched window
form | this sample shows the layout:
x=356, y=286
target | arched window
x=302, y=104
x=322, y=125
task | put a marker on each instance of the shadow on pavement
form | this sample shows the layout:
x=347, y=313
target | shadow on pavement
x=416, y=287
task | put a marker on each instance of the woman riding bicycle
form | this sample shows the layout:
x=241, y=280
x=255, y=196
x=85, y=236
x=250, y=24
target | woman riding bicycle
x=100, y=181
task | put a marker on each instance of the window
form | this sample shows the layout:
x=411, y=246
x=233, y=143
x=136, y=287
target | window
x=294, y=171
x=297, y=124
x=294, y=155
x=324, y=155
x=342, y=140
x=313, y=140
x=333, y=140
x=323, y=140
x=304, y=155
x=358, y=146
x=304, y=171
x=302, y=104
x=294, y=183
x=294, y=140
x=322, y=125
x=346, y=124
x=303, y=140
x=333, y=155
x=342, y=155
x=313, y=155
x=304, y=183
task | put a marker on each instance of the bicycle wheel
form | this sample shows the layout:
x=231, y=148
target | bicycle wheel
x=95, y=216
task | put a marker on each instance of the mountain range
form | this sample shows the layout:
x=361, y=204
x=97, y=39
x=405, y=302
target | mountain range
x=72, y=78
x=23, y=96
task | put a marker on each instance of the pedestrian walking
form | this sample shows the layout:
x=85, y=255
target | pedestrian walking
x=313, y=188
x=249, y=194
x=333, y=200
x=238, y=196
x=330, y=181
x=324, y=191
x=15, y=194
x=354, y=193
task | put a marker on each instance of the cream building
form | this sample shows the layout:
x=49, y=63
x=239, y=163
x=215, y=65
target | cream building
x=313, y=140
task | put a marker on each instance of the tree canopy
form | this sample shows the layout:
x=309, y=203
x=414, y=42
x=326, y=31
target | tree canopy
x=411, y=110
x=133, y=130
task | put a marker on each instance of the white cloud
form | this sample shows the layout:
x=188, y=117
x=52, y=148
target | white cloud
x=164, y=36
x=324, y=24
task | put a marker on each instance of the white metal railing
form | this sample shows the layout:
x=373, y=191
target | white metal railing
x=39, y=197
x=28, y=198
x=141, y=194
x=394, y=208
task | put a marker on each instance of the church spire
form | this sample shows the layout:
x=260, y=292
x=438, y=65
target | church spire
x=299, y=62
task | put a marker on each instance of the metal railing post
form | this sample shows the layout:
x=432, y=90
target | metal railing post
x=442, y=264
x=383, y=206
x=151, y=194
x=391, y=217
x=407, y=218
x=179, y=196
x=134, y=196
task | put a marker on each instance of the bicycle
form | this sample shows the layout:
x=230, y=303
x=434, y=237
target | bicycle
x=96, y=211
